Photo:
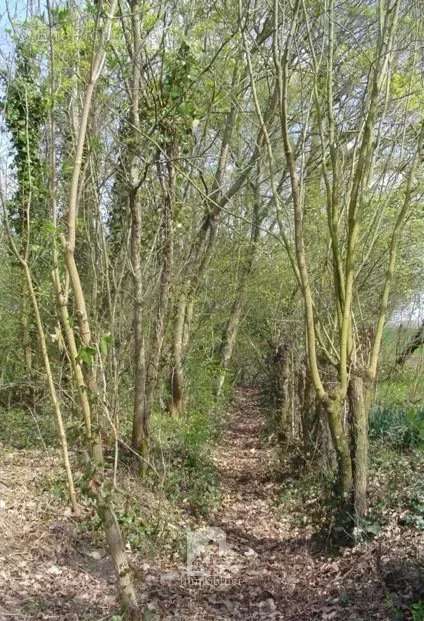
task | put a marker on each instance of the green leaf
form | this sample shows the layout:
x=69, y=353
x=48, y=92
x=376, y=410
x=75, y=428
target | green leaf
x=373, y=528
x=86, y=354
x=105, y=341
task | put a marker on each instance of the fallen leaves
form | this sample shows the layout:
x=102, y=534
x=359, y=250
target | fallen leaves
x=269, y=571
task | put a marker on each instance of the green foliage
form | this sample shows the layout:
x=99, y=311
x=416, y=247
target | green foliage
x=104, y=344
x=417, y=611
x=141, y=533
x=396, y=487
x=181, y=450
x=402, y=428
x=54, y=483
x=26, y=429
x=202, y=371
x=306, y=498
x=25, y=111
x=415, y=516
x=87, y=354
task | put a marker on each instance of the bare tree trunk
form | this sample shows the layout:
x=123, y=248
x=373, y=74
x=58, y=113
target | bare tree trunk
x=52, y=388
x=117, y=549
x=229, y=341
x=282, y=376
x=309, y=413
x=139, y=430
x=359, y=405
x=132, y=169
x=176, y=404
x=167, y=245
x=26, y=335
x=76, y=366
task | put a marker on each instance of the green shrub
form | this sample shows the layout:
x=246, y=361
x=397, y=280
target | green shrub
x=182, y=455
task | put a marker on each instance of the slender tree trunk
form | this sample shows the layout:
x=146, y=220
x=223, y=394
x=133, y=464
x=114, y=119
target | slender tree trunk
x=88, y=368
x=23, y=260
x=73, y=355
x=94, y=443
x=52, y=388
x=104, y=504
x=308, y=400
x=176, y=404
x=359, y=405
x=26, y=334
x=139, y=431
x=167, y=245
x=229, y=341
x=282, y=372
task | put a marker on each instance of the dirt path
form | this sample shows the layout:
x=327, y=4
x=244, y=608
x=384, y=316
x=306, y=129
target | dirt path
x=266, y=570
x=260, y=572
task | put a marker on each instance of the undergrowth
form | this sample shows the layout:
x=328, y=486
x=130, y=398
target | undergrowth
x=396, y=426
x=154, y=507
x=26, y=429
x=181, y=453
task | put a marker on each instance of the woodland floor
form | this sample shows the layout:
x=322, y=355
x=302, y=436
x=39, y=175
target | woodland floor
x=267, y=570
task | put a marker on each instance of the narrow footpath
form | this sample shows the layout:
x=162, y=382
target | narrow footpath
x=254, y=566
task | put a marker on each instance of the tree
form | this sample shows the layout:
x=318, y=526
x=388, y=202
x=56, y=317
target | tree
x=306, y=57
